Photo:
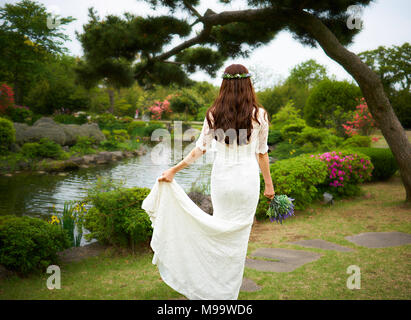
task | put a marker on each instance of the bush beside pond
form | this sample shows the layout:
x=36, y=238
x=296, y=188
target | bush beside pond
x=29, y=244
x=116, y=217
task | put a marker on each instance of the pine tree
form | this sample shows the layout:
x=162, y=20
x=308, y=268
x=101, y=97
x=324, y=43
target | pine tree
x=231, y=34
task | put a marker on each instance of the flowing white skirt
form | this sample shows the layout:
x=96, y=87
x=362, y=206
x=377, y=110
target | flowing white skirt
x=198, y=255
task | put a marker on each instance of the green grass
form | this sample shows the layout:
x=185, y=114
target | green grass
x=385, y=272
x=382, y=143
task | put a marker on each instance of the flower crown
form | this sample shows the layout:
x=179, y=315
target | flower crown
x=236, y=76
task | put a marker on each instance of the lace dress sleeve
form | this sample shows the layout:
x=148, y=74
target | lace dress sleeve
x=262, y=146
x=206, y=137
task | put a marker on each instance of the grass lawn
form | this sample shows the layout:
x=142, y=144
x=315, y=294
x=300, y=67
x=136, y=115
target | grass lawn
x=385, y=273
x=382, y=143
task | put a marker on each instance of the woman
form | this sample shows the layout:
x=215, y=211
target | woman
x=199, y=255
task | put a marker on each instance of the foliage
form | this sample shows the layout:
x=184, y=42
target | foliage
x=307, y=73
x=362, y=123
x=71, y=220
x=19, y=113
x=29, y=244
x=357, y=141
x=148, y=131
x=274, y=137
x=383, y=161
x=7, y=134
x=116, y=216
x=70, y=119
x=84, y=145
x=187, y=101
x=120, y=135
x=286, y=115
x=26, y=42
x=293, y=129
x=346, y=169
x=296, y=178
x=44, y=148
x=324, y=99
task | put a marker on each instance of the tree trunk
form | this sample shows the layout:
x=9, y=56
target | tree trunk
x=372, y=89
x=110, y=92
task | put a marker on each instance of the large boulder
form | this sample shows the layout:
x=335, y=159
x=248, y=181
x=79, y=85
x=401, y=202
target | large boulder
x=63, y=134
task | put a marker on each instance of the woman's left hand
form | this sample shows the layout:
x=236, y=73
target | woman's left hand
x=167, y=176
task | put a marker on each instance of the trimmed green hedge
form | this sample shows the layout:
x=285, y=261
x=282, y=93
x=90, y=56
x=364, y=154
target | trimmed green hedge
x=385, y=165
x=30, y=244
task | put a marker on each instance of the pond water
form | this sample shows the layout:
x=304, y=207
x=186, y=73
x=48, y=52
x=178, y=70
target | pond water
x=35, y=194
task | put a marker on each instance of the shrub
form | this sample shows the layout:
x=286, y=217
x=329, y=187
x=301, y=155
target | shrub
x=45, y=148
x=328, y=96
x=29, y=244
x=109, y=145
x=286, y=115
x=84, y=145
x=148, y=131
x=19, y=113
x=383, y=160
x=292, y=130
x=296, y=178
x=109, y=122
x=116, y=217
x=311, y=139
x=274, y=137
x=120, y=135
x=136, y=128
x=346, y=169
x=357, y=141
x=7, y=134
x=71, y=119
x=285, y=150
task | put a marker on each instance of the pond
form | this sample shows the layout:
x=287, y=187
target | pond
x=35, y=194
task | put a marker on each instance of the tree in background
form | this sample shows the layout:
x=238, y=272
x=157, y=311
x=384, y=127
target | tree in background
x=329, y=102
x=307, y=74
x=296, y=87
x=99, y=66
x=393, y=65
x=56, y=88
x=26, y=43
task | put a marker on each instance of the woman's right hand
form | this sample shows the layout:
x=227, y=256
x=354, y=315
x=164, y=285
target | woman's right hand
x=269, y=192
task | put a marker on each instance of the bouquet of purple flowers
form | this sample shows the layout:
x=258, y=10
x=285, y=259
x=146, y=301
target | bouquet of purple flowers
x=281, y=207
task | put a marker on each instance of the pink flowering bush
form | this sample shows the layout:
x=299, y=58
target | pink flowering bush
x=158, y=108
x=6, y=98
x=362, y=123
x=346, y=169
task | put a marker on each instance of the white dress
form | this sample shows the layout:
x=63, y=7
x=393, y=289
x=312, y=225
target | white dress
x=203, y=256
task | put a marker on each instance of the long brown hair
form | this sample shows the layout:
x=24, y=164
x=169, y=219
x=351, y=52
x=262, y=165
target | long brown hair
x=234, y=106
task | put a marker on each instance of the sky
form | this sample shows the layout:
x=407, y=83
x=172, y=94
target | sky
x=386, y=23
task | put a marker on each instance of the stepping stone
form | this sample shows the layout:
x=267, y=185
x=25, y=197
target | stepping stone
x=321, y=244
x=249, y=285
x=289, y=260
x=380, y=239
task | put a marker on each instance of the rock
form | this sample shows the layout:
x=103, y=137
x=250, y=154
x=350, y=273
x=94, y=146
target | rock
x=15, y=148
x=288, y=260
x=89, y=159
x=321, y=244
x=63, y=134
x=128, y=154
x=203, y=201
x=380, y=239
x=60, y=165
x=8, y=175
x=77, y=160
x=117, y=155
